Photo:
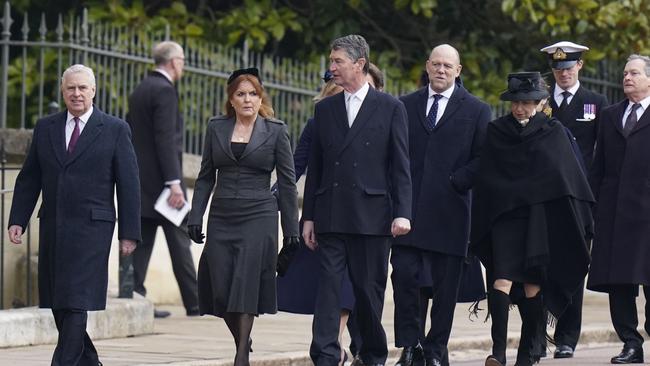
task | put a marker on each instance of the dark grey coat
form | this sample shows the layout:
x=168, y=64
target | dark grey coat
x=620, y=180
x=77, y=215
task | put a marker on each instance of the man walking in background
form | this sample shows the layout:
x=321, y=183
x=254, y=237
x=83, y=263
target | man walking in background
x=578, y=108
x=157, y=126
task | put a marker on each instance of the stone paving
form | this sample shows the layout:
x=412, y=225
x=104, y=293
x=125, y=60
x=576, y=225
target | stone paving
x=283, y=339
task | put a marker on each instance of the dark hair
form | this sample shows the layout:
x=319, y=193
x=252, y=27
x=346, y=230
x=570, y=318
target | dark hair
x=266, y=110
x=355, y=46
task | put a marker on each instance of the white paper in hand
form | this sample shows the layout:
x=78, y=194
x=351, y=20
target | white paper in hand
x=175, y=215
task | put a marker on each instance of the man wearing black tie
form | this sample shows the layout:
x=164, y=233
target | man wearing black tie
x=620, y=180
x=446, y=130
x=578, y=109
x=357, y=195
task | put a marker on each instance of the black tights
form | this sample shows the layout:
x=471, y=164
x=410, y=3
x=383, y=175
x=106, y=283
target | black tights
x=240, y=326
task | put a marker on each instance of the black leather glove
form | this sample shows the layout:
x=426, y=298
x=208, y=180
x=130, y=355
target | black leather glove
x=194, y=231
x=290, y=245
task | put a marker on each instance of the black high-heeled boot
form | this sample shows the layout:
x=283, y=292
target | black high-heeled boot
x=499, y=305
x=531, y=313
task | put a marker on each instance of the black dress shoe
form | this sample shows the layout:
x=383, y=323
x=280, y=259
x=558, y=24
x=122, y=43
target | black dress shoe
x=563, y=351
x=432, y=362
x=161, y=313
x=493, y=361
x=411, y=356
x=629, y=355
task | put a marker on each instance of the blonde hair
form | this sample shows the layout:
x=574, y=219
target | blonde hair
x=266, y=110
x=328, y=89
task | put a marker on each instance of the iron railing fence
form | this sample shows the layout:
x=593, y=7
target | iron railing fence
x=31, y=65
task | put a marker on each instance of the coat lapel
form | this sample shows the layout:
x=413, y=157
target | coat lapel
x=421, y=106
x=90, y=132
x=259, y=136
x=340, y=113
x=57, y=137
x=365, y=112
x=224, y=135
x=620, y=111
x=452, y=106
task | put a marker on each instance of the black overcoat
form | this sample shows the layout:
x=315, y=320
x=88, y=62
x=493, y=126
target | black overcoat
x=157, y=128
x=444, y=162
x=620, y=179
x=77, y=214
x=358, y=179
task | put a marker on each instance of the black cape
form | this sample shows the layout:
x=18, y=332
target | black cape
x=536, y=166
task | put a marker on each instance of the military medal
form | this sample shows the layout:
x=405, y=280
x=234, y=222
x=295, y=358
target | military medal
x=589, y=112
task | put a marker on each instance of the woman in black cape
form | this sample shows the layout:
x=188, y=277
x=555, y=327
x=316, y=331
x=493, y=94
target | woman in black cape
x=531, y=217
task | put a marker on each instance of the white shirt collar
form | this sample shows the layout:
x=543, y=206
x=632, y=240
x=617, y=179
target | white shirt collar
x=644, y=104
x=557, y=91
x=165, y=74
x=361, y=93
x=447, y=93
x=83, y=118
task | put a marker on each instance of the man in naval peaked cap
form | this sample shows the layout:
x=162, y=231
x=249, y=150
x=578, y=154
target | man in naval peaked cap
x=578, y=109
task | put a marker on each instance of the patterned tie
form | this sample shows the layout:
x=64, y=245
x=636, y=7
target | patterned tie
x=74, y=137
x=631, y=120
x=433, y=112
x=565, y=99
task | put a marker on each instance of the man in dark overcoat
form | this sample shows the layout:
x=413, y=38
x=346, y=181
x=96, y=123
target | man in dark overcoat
x=77, y=161
x=357, y=194
x=446, y=129
x=620, y=180
x=157, y=126
x=578, y=108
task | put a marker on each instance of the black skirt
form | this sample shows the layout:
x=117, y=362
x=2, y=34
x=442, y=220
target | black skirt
x=237, y=266
x=509, y=235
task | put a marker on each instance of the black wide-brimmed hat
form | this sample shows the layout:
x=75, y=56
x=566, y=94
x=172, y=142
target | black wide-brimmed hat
x=525, y=86
x=248, y=71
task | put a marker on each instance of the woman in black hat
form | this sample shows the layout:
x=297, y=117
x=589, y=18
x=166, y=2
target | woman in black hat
x=531, y=218
x=236, y=274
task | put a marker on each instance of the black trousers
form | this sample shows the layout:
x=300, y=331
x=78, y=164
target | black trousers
x=179, y=244
x=622, y=308
x=367, y=262
x=567, y=329
x=74, y=347
x=445, y=275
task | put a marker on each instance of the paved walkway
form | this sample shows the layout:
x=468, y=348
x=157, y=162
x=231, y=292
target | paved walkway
x=283, y=339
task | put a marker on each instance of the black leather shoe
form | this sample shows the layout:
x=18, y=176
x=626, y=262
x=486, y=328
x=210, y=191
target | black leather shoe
x=432, y=362
x=159, y=314
x=493, y=361
x=563, y=351
x=193, y=312
x=411, y=356
x=629, y=355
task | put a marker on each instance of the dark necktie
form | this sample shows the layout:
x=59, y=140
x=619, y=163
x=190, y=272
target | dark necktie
x=631, y=120
x=433, y=112
x=565, y=99
x=74, y=137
